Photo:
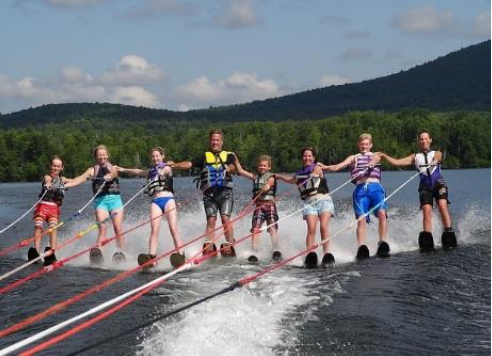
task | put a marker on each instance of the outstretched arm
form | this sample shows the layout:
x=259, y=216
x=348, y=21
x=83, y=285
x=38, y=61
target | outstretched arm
x=285, y=178
x=181, y=165
x=400, y=162
x=336, y=167
x=242, y=171
x=131, y=171
x=80, y=179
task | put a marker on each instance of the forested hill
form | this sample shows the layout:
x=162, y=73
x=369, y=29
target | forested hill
x=457, y=81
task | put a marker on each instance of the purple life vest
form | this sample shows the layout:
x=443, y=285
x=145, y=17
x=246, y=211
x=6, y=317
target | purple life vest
x=359, y=169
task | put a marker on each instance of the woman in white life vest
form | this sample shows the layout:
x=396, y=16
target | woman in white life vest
x=432, y=187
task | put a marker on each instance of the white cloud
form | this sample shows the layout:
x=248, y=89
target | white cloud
x=237, y=14
x=132, y=70
x=75, y=74
x=425, y=20
x=133, y=95
x=237, y=88
x=354, y=54
x=330, y=79
x=75, y=86
x=481, y=25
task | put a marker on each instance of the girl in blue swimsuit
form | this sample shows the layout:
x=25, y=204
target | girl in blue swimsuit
x=160, y=189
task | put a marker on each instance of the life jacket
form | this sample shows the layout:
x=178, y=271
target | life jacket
x=56, y=193
x=360, y=168
x=309, y=185
x=259, y=183
x=111, y=187
x=159, y=182
x=214, y=174
x=428, y=175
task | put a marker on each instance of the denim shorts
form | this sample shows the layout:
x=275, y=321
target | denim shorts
x=108, y=202
x=323, y=204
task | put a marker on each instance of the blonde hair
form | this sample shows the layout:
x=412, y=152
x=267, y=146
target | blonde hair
x=365, y=136
x=158, y=149
x=99, y=147
x=264, y=158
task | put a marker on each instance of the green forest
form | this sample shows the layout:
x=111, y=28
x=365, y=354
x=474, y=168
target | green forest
x=464, y=138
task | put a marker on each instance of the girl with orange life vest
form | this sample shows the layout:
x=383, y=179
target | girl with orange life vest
x=108, y=203
x=318, y=205
x=161, y=190
x=48, y=209
x=368, y=195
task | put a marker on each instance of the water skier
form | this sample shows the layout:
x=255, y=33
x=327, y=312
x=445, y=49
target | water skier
x=264, y=189
x=161, y=190
x=215, y=181
x=318, y=204
x=108, y=203
x=432, y=187
x=368, y=194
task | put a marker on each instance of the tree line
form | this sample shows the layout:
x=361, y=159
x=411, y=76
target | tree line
x=464, y=138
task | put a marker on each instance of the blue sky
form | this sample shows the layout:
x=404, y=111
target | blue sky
x=184, y=54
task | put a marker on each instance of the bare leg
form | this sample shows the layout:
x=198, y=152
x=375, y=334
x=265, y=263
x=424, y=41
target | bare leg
x=324, y=221
x=444, y=211
x=101, y=215
x=383, y=225
x=274, y=237
x=117, y=218
x=155, y=226
x=255, y=239
x=209, y=231
x=172, y=221
x=312, y=222
x=37, y=238
x=228, y=228
x=53, y=233
x=427, y=215
x=361, y=231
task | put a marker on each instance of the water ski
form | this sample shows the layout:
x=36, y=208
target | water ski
x=119, y=257
x=328, y=260
x=227, y=250
x=32, y=254
x=177, y=259
x=49, y=260
x=311, y=260
x=96, y=256
x=362, y=252
x=144, y=258
x=253, y=259
x=426, y=241
x=448, y=240
x=209, y=248
x=383, y=249
x=277, y=256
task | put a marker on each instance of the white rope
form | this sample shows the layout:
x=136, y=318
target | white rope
x=94, y=310
x=27, y=212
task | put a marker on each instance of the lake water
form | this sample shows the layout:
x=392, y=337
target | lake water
x=408, y=304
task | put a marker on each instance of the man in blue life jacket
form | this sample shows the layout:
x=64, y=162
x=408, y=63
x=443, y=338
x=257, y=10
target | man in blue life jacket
x=431, y=187
x=215, y=181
